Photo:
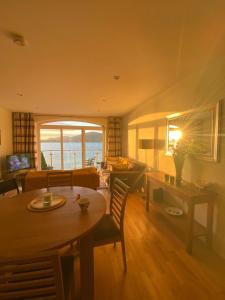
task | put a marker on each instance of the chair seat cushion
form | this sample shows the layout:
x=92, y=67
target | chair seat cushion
x=106, y=229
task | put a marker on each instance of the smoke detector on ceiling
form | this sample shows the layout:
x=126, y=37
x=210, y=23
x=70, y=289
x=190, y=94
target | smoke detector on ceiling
x=19, y=40
x=19, y=94
x=116, y=77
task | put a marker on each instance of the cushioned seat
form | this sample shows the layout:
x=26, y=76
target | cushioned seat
x=106, y=229
x=110, y=228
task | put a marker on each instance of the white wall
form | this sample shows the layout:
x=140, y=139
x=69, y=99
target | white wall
x=6, y=137
x=198, y=89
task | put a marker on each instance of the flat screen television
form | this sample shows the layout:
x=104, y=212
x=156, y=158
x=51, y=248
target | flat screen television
x=18, y=162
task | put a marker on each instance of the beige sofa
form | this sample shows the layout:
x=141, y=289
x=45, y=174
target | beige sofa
x=86, y=177
x=130, y=171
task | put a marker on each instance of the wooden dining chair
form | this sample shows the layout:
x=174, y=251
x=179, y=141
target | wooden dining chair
x=8, y=185
x=32, y=277
x=69, y=255
x=61, y=178
x=111, y=229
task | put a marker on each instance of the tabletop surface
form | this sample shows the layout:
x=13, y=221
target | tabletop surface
x=186, y=189
x=24, y=231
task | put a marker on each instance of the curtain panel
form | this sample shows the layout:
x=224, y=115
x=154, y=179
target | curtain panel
x=114, y=136
x=24, y=135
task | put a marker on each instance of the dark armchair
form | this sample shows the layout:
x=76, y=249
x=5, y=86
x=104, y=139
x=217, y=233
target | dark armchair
x=134, y=176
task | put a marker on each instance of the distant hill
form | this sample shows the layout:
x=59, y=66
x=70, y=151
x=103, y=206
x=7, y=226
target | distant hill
x=91, y=137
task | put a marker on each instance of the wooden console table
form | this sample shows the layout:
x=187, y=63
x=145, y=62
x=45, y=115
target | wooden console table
x=188, y=193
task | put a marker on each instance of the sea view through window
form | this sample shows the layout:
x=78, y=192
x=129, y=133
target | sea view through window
x=70, y=148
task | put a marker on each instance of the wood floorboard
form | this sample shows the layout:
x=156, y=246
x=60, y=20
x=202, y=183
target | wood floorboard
x=159, y=268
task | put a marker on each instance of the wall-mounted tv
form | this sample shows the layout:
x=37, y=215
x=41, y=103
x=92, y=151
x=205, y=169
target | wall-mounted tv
x=18, y=162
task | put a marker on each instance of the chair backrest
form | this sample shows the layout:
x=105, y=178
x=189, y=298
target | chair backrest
x=8, y=185
x=61, y=178
x=139, y=180
x=31, y=278
x=118, y=201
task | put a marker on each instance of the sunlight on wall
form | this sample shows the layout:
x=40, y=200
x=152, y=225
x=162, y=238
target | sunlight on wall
x=165, y=162
x=175, y=135
x=132, y=143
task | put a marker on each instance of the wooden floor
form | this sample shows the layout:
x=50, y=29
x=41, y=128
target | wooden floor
x=158, y=266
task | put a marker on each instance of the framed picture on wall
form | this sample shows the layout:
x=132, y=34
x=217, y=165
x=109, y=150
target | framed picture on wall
x=200, y=127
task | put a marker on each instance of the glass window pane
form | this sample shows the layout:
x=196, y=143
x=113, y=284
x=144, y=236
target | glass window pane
x=75, y=154
x=50, y=148
x=71, y=123
x=94, y=147
x=72, y=149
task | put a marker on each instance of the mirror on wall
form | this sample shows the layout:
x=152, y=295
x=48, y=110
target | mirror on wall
x=200, y=127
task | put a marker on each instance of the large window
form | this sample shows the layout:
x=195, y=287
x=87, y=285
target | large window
x=70, y=145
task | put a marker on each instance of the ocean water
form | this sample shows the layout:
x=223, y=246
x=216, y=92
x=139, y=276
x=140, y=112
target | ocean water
x=72, y=154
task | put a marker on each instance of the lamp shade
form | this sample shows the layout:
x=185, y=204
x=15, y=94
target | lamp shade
x=146, y=144
x=151, y=144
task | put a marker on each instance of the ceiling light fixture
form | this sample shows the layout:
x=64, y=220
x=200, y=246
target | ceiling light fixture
x=116, y=77
x=19, y=40
x=19, y=94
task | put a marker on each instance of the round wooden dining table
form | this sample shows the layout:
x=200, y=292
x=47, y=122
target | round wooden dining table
x=23, y=231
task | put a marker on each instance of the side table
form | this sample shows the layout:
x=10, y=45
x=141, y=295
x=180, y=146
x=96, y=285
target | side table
x=192, y=197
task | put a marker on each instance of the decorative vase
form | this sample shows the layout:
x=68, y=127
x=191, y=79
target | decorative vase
x=179, y=163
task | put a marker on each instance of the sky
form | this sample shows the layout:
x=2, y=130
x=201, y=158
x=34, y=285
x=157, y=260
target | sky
x=55, y=133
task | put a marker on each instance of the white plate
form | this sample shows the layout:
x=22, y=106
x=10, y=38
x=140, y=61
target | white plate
x=37, y=203
x=174, y=211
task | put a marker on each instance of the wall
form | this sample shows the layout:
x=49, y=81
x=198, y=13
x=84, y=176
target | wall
x=196, y=90
x=6, y=137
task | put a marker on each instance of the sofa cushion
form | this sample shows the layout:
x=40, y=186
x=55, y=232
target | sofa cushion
x=123, y=160
x=120, y=167
x=131, y=173
x=132, y=166
x=106, y=229
x=87, y=177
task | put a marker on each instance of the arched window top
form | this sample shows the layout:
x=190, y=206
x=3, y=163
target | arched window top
x=71, y=123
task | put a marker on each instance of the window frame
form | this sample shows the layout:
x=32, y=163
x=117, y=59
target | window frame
x=61, y=127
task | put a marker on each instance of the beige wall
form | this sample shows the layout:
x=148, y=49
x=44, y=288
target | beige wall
x=6, y=137
x=196, y=90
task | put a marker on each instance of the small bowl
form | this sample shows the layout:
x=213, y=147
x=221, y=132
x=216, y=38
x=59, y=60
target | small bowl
x=83, y=203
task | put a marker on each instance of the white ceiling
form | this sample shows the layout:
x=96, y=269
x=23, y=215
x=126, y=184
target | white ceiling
x=75, y=47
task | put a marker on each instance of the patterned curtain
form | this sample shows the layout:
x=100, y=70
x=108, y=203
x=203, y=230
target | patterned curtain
x=114, y=136
x=24, y=135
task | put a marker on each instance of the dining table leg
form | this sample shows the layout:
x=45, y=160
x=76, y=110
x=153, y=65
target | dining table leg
x=87, y=268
